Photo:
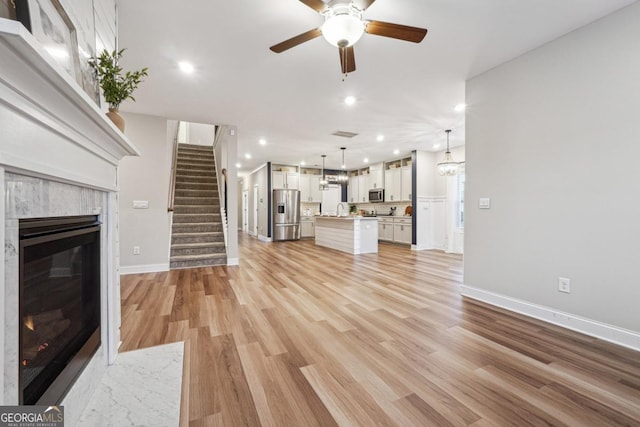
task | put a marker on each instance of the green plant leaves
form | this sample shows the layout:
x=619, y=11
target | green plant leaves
x=116, y=87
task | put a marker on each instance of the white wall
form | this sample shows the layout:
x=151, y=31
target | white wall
x=226, y=152
x=425, y=174
x=145, y=178
x=106, y=18
x=553, y=139
x=201, y=134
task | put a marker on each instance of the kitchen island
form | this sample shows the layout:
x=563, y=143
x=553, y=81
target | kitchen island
x=355, y=235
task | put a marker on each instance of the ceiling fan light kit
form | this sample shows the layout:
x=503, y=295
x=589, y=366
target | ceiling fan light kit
x=344, y=26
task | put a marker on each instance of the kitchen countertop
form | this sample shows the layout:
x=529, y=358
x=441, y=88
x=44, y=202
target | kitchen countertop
x=346, y=218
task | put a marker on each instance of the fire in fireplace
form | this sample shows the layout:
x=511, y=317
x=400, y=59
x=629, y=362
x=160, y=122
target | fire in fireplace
x=59, y=304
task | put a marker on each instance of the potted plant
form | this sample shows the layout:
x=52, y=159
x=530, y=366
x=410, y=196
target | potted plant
x=116, y=86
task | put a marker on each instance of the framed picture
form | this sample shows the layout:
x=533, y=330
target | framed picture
x=7, y=9
x=50, y=25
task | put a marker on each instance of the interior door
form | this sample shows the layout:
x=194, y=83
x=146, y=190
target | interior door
x=245, y=210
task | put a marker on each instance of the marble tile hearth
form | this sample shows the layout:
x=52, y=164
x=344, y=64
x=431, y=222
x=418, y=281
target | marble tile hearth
x=141, y=388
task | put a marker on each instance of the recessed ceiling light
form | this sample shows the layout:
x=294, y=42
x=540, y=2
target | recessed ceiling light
x=460, y=107
x=396, y=152
x=186, y=67
x=302, y=163
x=436, y=146
x=247, y=156
x=366, y=160
x=350, y=100
x=380, y=138
x=263, y=141
x=238, y=165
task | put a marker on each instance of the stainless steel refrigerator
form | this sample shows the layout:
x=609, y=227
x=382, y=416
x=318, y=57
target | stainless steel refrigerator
x=286, y=215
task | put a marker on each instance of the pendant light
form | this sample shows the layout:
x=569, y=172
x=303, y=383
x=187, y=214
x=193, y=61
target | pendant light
x=447, y=167
x=324, y=184
x=342, y=177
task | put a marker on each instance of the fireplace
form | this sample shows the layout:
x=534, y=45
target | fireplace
x=59, y=303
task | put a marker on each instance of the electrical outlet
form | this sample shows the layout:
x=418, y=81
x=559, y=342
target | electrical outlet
x=564, y=285
x=136, y=250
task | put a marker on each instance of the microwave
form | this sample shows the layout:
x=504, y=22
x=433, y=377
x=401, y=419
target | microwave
x=376, y=195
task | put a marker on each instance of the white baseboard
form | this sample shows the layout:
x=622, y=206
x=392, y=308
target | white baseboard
x=233, y=261
x=420, y=248
x=147, y=268
x=264, y=238
x=610, y=333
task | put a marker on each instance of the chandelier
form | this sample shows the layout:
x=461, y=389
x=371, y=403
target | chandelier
x=447, y=167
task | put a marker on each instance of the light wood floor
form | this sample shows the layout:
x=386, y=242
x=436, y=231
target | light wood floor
x=305, y=336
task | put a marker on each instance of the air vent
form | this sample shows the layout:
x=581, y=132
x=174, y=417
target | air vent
x=344, y=134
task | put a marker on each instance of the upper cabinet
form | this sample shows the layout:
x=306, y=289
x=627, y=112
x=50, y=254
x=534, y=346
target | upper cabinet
x=397, y=180
x=358, y=186
x=352, y=188
x=406, y=185
x=395, y=177
x=376, y=176
x=363, y=188
x=285, y=178
x=393, y=184
x=310, y=188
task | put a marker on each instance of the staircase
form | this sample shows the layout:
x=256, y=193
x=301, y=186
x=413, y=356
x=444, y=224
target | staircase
x=197, y=238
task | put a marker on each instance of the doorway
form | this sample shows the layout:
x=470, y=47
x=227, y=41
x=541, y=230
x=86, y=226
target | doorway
x=256, y=210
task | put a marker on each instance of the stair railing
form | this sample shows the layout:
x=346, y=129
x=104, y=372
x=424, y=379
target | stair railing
x=174, y=162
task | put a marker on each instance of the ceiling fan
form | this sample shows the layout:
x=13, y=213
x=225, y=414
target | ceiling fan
x=343, y=27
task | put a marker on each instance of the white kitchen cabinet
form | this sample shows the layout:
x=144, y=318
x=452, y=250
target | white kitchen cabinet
x=307, y=227
x=363, y=188
x=385, y=229
x=402, y=230
x=405, y=185
x=305, y=196
x=393, y=185
x=352, y=190
x=310, y=188
x=284, y=180
x=376, y=176
x=314, y=188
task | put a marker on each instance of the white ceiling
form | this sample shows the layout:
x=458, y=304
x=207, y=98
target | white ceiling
x=405, y=91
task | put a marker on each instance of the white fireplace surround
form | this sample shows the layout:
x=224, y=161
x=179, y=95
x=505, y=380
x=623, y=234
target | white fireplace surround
x=59, y=156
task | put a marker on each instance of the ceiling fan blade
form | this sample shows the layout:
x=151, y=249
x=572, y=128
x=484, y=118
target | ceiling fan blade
x=363, y=4
x=347, y=59
x=316, y=5
x=396, y=31
x=295, y=41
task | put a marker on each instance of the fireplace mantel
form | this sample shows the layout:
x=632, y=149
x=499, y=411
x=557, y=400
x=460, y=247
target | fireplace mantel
x=59, y=156
x=40, y=102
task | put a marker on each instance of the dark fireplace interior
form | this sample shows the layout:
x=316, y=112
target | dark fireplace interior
x=59, y=304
